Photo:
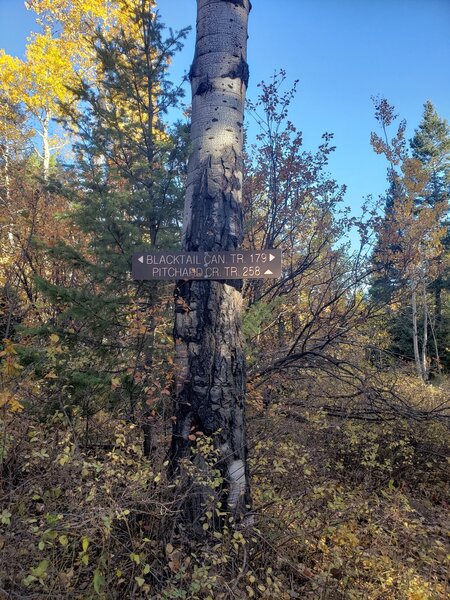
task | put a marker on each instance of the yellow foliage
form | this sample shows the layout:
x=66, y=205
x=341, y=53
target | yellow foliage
x=8, y=401
x=10, y=78
x=71, y=17
x=9, y=367
x=74, y=18
x=40, y=82
x=48, y=71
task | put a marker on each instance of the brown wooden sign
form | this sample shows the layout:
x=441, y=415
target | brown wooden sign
x=239, y=264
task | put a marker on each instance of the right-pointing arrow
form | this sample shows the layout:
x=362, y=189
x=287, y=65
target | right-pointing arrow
x=141, y=259
x=271, y=256
x=268, y=272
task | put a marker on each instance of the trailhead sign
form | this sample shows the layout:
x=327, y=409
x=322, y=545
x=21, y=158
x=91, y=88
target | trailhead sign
x=239, y=264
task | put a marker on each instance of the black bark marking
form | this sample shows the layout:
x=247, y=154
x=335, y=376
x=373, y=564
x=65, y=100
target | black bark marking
x=240, y=3
x=204, y=87
x=210, y=387
x=193, y=69
x=240, y=71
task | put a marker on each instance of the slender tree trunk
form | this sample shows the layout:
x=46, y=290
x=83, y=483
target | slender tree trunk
x=45, y=146
x=425, y=333
x=210, y=378
x=436, y=348
x=438, y=303
x=6, y=170
x=415, y=329
x=7, y=185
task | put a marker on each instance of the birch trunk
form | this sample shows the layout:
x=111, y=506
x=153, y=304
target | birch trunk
x=210, y=362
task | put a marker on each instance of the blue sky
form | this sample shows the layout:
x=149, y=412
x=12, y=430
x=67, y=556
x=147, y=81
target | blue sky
x=342, y=51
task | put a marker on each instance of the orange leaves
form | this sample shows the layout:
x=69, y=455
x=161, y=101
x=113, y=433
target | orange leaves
x=156, y=391
x=194, y=435
x=9, y=367
x=10, y=403
x=410, y=235
x=415, y=176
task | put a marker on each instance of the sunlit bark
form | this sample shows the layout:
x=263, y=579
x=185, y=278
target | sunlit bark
x=209, y=349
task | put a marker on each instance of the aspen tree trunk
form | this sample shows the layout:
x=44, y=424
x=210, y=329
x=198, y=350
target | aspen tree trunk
x=438, y=303
x=6, y=170
x=46, y=146
x=210, y=361
x=7, y=184
x=425, y=333
x=415, y=330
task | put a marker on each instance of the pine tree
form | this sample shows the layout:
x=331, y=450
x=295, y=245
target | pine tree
x=431, y=145
x=125, y=183
x=410, y=235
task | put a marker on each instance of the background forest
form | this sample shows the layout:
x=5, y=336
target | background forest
x=347, y=353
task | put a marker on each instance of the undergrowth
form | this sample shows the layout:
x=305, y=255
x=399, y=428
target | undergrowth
x=342, y=510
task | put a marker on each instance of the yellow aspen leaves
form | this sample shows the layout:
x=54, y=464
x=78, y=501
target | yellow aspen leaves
x=47, y=73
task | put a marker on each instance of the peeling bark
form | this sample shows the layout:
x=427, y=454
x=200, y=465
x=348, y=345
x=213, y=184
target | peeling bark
x=210, y=362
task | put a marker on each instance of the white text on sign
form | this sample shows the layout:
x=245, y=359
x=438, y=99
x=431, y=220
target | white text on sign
x=207, y=265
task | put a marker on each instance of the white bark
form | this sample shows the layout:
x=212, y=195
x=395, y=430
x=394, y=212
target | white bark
x=210, y=358
x=415, y=333
x=425, y=369
x=219, y=76
x=6, y=170
x=7, y=198
x=45, y=146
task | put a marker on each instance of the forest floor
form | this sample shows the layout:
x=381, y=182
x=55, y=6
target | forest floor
x=343, y=510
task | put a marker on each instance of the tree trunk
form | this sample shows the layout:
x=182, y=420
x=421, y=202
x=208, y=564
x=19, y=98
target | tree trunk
x=6, y=171
x=415, y=330
x=45, y=146
x=7, y=185
x=438, y=303
x=210, y=361
x=425, y=334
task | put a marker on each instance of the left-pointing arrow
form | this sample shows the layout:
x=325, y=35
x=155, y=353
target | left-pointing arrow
x=141, y=259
